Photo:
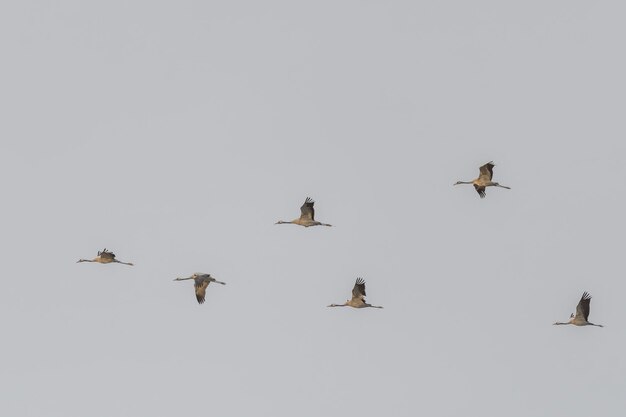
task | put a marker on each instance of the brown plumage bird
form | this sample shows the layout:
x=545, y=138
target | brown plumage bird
x=105, y=257
x=307, y=216
x=201, y=282
x=358, y=297
x=484, y=180
x=582, y=313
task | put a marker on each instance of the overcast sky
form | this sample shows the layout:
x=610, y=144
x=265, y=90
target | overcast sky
x=177, y=133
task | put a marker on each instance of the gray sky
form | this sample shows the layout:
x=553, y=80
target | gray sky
x=177, y=133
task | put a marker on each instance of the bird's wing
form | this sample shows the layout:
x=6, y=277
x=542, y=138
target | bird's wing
x=486, y=171
x=359, y=288
x=200, y=284
x=307, y=210
x=106, y=254
x=480, y=190
x=582, y=309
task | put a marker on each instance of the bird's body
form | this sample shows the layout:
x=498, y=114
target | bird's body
x=105, y=257
x=307, y=216
x=484, y=180
x=201, y=282
x=358, y=297
x=582, y=313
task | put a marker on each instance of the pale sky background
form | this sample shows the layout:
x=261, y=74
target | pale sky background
x=177, y=133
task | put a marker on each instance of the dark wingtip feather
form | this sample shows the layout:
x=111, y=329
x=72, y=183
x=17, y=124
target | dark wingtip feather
x=359, y=287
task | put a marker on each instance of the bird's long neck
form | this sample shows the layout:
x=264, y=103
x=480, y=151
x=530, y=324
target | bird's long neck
x=338, y=305
x=183, y=279
x=284, y=222
x=464, y=182
x=558, y=322
x=85, y=260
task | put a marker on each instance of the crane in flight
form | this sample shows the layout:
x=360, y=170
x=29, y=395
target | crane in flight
x=582, y=313
x=358, y=297
x=200, y=282
x=105, y=257
x=484, y=180
x=307, y=216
